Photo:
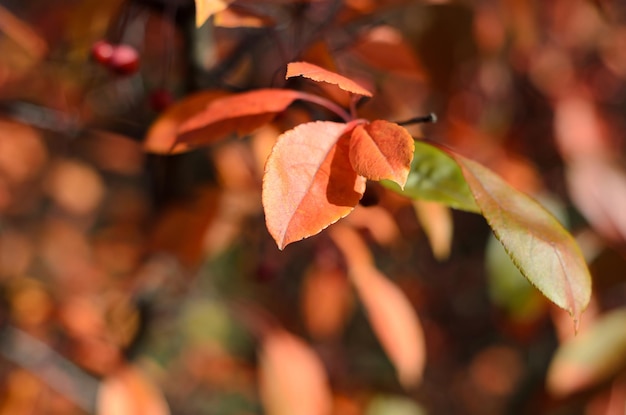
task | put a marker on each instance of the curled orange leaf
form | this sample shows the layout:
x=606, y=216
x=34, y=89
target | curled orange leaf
x=382, y=150
x=316, y=73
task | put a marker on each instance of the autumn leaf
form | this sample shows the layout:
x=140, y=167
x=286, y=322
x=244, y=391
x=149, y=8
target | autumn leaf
x=207, y=8
x=382, y=150
x=129, y=392
x=316, y=73
x=240, y=114
x=163, y=133
x=292, y=379
x=590, y=358
x=326, y=301
x=546, y=254
x=436, y=221
x=309, y=182
x=389, y=311
x=233, y=17
x=435, y=176
x=385, y=49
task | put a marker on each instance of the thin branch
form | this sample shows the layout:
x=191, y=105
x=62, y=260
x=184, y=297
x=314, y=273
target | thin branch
x=328, y=104
x=421, y=119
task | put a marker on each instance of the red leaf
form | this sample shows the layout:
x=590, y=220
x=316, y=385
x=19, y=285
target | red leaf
x=385, y=48
x=163, y=133
x=314, y=72
x=309, y=182
x=241, y=114
x=382, y=150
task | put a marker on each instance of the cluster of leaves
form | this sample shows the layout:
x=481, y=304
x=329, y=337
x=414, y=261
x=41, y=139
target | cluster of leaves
x=317, y=173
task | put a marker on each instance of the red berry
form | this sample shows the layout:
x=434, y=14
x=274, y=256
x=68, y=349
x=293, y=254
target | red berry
x=101, y=52
x=161, y=99
x=124, y=60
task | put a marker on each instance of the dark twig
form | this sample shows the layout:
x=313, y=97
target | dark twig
x=421, y=119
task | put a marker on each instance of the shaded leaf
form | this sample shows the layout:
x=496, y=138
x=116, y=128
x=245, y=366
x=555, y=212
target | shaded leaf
x=326, y=301
x=378, y=221
x=385, y=48
x=382, y=150
x=546, y=254
x=207, y=8
x=292, y=379
x=603, y=206
x=309, y=182
x=316, y=73
x=436, y=221
x=435, y=176
x=393, y=405
x=390, y=313
x=130, y=392
x=240, y=114
x=163, y=133
x=591, y=357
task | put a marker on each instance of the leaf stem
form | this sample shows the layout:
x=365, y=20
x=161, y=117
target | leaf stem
x=331, y=106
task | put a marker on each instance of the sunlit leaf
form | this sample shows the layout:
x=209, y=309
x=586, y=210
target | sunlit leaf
x=207, y=8
x=541, y=248
x=309, y=182
x=162, y=135
x=390, y=313
x=235, y=114
x=382, y=150
x=129, y=392
x=292, y=379
x=591, y=357
x=435, y=176
x=506, y=286
x=316, y=73
x=233, y=17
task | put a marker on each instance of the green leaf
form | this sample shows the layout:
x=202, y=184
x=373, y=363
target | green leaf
x=545, y=253
x=437, y=177
x=506, y=285
x=591, y=357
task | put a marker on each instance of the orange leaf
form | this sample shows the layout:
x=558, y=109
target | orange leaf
x=207, y=8
x=382, y=150
x=240, y=113
x=292, y=378
x=436, y=221
x=232, y=17
x=162, y=136
x=314, y=72
x=326, y=301
x=309, y=182
x=130, y=392
x=390, y=313
x=385, y=48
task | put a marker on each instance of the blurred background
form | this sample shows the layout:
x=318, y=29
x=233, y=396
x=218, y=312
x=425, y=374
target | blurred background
x=133, y=281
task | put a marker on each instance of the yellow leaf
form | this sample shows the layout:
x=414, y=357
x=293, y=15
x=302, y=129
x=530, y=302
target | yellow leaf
x=207, y=8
